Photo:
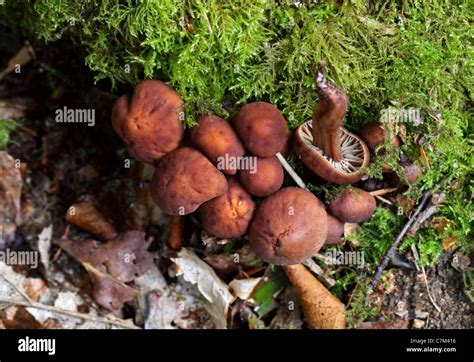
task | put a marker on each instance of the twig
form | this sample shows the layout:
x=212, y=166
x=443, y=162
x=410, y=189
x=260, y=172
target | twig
x=384, y=200
x=425, y=277
x=70, y=313
x=425, y=215
x=290, y=171
x=17, y=288
x=393, y=247
x=383, y=191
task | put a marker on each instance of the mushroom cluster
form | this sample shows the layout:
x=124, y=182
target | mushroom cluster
x=232, y=177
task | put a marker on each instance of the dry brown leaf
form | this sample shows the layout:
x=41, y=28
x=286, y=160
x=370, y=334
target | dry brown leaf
x=243, y=288
x=111, y=265
x=440, y=223
x=19, y=318
x=108, y=292
x=124, y=258
x=322, y=310
x=212, y=288
x=34, y=287
x=449, y=243
x=405, y=203
x=425, y=159
x=87, y=217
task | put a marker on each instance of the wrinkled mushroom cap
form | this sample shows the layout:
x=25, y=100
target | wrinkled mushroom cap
x=353, y=205
x=289, y=227
x=262, y=129
x=216, y=138
x=265, y=179
x=355, y=155
x=149, y=120
x=183, y=180
x=228, y=215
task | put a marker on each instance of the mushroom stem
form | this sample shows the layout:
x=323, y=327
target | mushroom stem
x=175, y=237
x=290, y=171
x=328, y=115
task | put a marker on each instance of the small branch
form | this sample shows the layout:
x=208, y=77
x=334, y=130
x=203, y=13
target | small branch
x=70, y=313
x=17, y=288
x=424, y=216
x=383, y=191
x=290, y=171
x=393, y=247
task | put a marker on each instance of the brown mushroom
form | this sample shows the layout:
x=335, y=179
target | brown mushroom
x=263, y=131
x=323, y=145
x=183, y=180
x=335, y=231
x=216, y=138
x=228, y=215
x=261, y=128
x=289, y=226
x=374, y=134
x=265, y=179
x=149, y=120
x=353, y=205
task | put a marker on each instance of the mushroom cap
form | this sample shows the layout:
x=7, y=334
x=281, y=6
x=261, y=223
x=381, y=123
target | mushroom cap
x=374, y=134
x=216, y=138
x=261, y=128
x=335, y=231
x=353, y=205
x=355, y=154
x=267, y=177
x=148, y=121
x=183, y=180
x=228, y=215
x=289, y=227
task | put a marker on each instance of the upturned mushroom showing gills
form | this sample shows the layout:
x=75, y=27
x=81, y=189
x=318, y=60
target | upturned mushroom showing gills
x=353, y=205
x=265, y=179
x=183, y=180
x=216, y=138
x=289, y=226
x=228, y=215
x=323, y=145
x=149, y=120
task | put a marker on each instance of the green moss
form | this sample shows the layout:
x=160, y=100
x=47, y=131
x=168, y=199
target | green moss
x=6, y=127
